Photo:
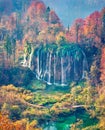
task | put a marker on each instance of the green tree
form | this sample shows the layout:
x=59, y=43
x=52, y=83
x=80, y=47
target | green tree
x=14, y=49
x=8, y=46
x=47, y=14
x=27, y=49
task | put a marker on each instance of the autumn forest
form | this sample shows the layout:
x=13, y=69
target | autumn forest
x=52, y=77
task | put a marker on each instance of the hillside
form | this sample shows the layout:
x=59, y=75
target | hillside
x=51, y=77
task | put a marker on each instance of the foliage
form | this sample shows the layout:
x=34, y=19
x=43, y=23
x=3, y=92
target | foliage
x=12, y=76
x=20, y=104
x=37, y=24
x=8, y=46
x=60, y=38
x=36, y=85
x=103, y=26
x=28, y=48
x=102, y=67
x=15, y=112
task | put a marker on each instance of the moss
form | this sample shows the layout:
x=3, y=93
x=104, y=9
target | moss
x=36, y=85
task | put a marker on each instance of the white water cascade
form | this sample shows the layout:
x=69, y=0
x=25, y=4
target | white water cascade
x=57, y=66
x=24, y=62
x=85, y=66
x=49, y=69
x=74, y=68
x=27, y=59
x=38, y=65
x=62, y=72
x=30, y=58
x=54, y=69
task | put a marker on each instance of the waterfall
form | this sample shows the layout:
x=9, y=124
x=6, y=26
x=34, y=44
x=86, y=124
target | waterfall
x=30, y=58
x=27, y=60
x=83, y=69
x=85, y=66
x=24, y=62
x=41, y=65
x=62, y=72
x=46, y=66
x=49, y=69
x=74, y=69
x=46, y=70
x=54, y=68
x=72, y=66
x=38, y=64
x=69, y=66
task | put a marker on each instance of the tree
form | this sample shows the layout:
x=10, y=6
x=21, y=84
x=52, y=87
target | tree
x=60, y=38
x=95, y=73
x=8, y=46
x=6, y=123
x=47, y=14
x=78, y=24
x=102, y=69
x=27, y=49
x=94, y=27
x=86, y=30
x=40, y=9
x=103, y=26
x=75, y=34
x=53, y=18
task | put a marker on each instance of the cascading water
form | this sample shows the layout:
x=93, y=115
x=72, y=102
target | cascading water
x=38, y=65
x=74, y=68
x=49, y=70
x=30, y=58
x=24, y=62
x=54, y=69
x=27, y=59
x=85, y=66
x=46, y=67
x=58, y=65
x=62, y=72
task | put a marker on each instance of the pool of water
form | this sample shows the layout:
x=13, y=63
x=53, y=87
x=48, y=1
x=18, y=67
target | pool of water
x=61, y=124
x=64, y=123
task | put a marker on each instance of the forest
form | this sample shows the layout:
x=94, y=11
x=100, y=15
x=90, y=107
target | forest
x=51, y=77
